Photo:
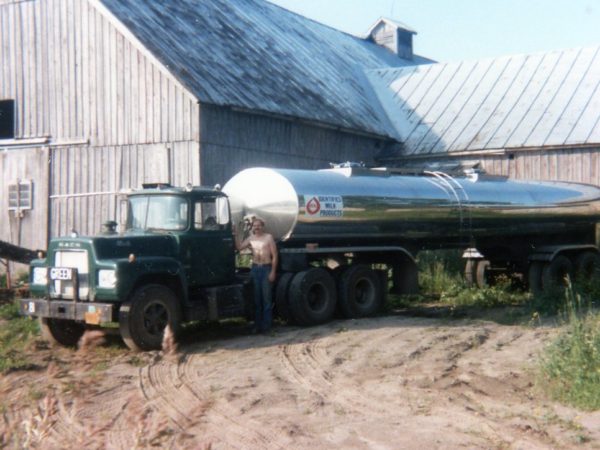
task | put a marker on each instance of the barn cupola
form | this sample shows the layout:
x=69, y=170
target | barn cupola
x=393, y=35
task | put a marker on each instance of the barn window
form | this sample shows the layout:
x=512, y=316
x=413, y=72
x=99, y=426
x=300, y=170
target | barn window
x=20, y=195
x=7, y=119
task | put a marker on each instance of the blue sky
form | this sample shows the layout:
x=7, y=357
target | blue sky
x=451, y=30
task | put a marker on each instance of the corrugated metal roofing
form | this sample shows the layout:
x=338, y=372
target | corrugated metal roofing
x=255, y=55
x=549, y=99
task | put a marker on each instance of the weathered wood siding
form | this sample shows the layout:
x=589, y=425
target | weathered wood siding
x=574, y=165
x=84, y=195
x=232, y=141
x=25, y=165
x=113, y=115
x=77, y=75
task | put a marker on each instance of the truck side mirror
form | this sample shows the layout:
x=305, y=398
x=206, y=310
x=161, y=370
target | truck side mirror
x=222, y=205
x=123, y=211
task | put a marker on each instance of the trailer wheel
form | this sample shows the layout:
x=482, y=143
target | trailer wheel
x=312, y=297
x=587, y=266
x=555, y=272
x=534, y=277
x=61, y=332
x=282, y=305
x=143, y=320
x=360, y=292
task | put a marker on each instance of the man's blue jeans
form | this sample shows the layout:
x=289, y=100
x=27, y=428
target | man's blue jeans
x=263, y=303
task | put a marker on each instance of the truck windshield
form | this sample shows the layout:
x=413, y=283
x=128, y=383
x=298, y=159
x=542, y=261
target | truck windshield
x=157, y=212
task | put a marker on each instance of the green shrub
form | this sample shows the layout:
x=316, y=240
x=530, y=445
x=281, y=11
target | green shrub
x=16, y=333
x=440, y=272
x=570, y=367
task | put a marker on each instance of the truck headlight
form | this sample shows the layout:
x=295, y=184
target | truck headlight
x=107, y=278
x=40, y=275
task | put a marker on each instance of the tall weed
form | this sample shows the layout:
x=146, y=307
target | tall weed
x=440, y=272
x=570, y=367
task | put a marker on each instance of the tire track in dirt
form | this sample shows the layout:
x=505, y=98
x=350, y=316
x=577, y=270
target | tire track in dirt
x=76, y=411
x=179, y=391
x=312, y=367
x=461, y=386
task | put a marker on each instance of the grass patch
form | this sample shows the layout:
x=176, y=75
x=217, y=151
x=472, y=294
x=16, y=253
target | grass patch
x=502, y=293
x=570, y=367
x=441, y=281
x=16, y=332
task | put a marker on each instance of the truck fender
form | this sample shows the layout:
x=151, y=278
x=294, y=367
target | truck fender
x=154, y=270
x=549, y=252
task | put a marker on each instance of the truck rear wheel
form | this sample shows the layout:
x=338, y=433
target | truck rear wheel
x=61, y=332
x=534, y=277
x=143, y=320
x=282, y=306
x=360, y=292
x=312, y=297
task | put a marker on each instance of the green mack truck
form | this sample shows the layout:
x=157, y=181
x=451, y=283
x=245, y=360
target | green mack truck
x=341, y=233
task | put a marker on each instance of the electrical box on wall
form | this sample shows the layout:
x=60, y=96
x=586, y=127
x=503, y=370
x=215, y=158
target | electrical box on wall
x=20, y=195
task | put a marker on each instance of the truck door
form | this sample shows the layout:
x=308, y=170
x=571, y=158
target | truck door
x=209, y=248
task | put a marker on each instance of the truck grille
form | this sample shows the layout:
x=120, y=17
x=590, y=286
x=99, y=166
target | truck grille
x=76, y=259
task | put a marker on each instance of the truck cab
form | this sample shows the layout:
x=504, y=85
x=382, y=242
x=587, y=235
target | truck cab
x=197, y=219
x=173, y=261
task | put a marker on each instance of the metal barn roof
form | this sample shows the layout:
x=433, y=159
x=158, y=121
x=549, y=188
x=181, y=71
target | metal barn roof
x=254, y=55
x=549, y=99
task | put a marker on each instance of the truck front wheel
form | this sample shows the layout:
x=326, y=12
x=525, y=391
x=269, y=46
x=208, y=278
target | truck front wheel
x=143, y=320
x=61, y=331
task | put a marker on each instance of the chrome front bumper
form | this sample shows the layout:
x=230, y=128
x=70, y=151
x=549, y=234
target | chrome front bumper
x=91, y=313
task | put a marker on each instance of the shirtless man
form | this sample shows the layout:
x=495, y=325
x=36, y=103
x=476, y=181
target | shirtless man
x=264, y=270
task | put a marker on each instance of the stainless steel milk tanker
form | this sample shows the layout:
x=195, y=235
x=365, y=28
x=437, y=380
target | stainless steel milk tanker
x=360, y=206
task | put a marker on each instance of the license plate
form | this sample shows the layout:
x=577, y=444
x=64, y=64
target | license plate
x=61, y=273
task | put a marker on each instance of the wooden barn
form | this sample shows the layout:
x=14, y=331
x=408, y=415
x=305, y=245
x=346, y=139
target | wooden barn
x=523, y=116
x=97, y=96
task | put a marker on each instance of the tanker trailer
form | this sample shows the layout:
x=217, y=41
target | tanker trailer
x=355, y=218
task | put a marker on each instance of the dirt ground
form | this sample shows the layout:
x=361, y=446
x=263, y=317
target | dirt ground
x=389, y=382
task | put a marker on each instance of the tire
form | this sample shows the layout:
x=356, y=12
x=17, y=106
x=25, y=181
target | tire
x=481, y=273
x=61, y=332
x=142, y=321
x=312, y=297
x=554, y=273
x=534, y=277
x=282, y=306
x=587, y=266
x=360, y=292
